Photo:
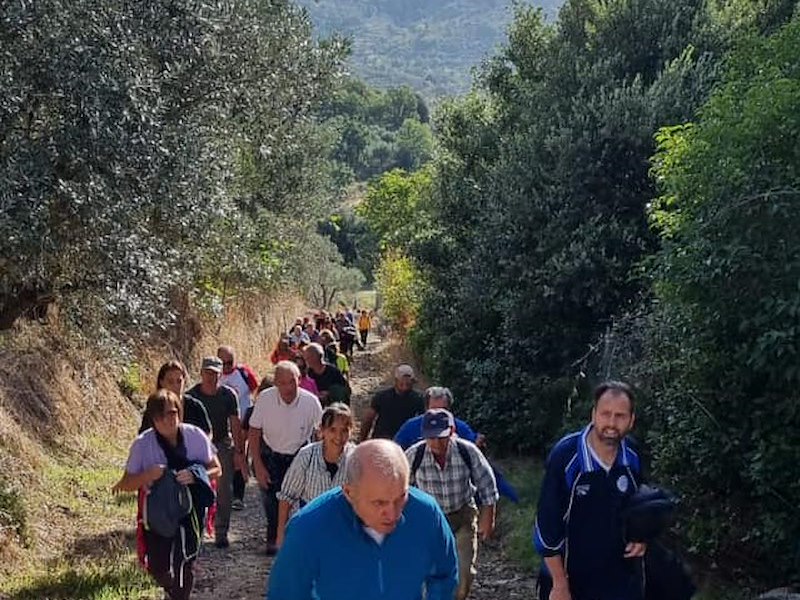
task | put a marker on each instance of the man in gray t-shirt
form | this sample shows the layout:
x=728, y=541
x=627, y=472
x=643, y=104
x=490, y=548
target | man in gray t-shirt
x=223, y=411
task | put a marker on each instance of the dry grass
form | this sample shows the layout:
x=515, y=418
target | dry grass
x=65, y=427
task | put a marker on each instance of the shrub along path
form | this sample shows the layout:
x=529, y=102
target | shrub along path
x=240, y=572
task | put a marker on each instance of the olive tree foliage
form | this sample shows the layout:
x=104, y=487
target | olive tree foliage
x=723, y=338
x=140, y=144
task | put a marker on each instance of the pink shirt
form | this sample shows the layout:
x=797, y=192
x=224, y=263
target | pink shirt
x=309, y=385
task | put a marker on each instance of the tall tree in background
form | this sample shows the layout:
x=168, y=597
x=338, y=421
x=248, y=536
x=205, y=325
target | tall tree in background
x=132, y=135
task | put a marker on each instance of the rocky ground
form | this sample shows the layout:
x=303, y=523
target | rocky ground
x=240, y=572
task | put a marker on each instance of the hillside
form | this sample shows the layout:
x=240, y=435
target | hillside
x=430, y=46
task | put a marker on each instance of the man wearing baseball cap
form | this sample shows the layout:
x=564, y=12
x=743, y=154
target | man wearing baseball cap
x=392, y=407
x=456, y=473
x=223, y=411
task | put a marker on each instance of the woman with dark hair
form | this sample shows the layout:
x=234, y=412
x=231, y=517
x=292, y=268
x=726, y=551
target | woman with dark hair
x=172, y=376
x=317, y=467
x=305, y=381
x=170, y=465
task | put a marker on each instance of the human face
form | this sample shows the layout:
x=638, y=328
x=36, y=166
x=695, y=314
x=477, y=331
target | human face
x=227, y=361
x=404, y=384
x=336, y=435
x=174, y=382
x=167, y=424
x=312, y=359
x=286, y=383
x=378, y=501
x=209, y=379
x=439, y=445
x=612, y=418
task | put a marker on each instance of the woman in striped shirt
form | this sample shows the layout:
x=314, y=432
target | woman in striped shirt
x=317, y=467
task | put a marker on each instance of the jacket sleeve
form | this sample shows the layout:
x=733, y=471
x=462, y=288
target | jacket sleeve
x=292, y=575
x=405, y=436
x=549, y=531
x=442, y=581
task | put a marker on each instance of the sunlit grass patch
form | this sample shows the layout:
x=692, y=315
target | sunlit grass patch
x=112, y=580
x=515, y=521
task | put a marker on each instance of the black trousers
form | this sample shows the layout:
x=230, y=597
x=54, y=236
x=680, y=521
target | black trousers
x=166, y=569
x=277, y=465
x=238, y=485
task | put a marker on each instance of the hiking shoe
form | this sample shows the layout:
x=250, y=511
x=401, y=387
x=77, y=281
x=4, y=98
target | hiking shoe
x=237, y=504
x=222, y=543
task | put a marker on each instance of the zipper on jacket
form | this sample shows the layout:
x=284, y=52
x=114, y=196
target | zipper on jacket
x=380, y=576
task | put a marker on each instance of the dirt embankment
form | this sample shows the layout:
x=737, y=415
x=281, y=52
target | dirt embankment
x=66, y=402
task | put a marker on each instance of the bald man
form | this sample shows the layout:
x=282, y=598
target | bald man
x=374, y=538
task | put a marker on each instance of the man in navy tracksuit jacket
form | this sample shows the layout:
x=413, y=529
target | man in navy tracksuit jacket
x=373, y=539
x=579, y=529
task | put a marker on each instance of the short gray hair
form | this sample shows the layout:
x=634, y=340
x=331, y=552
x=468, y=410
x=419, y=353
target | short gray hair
x=316, y=349
x=384, y=456
x=288, y=365
x=438, y=392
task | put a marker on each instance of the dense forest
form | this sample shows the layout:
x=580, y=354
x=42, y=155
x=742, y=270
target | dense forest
x=429, y=46
x=618, y=196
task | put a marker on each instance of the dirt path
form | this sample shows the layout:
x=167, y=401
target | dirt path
x=240, y=572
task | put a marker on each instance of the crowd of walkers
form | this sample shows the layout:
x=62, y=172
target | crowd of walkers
x=398, y=515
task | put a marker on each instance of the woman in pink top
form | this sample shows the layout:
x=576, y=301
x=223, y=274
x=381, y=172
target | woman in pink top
x=305, y=381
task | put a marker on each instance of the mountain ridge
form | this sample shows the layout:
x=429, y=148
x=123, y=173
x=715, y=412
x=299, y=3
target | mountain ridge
x=432, y=47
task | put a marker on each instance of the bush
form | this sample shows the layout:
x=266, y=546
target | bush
x=13, y=516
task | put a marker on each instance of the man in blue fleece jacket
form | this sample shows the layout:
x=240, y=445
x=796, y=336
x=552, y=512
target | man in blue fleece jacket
x=375, y=538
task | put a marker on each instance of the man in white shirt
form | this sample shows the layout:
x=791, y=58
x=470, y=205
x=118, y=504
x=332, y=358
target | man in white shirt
x=284, y=419
x=242, y=380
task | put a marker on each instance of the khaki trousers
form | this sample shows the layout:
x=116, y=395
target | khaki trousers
x=464, y=524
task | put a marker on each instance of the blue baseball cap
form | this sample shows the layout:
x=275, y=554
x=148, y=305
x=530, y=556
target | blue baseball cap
x=437, y=423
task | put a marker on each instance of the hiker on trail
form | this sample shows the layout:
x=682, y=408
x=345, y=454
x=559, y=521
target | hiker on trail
x=364, y=325
x=410, y=432
x=285, y=418
x=172, y=376
x=297, y=336
x=305, y=381
x=242, y=380
x=392, y=407
x=373, y=538
x=456, y=473
x=589, y=475
x=165, y=462
x=311, y=332
x=347, y=335
x=441, y=397
x=282, y=351
x=223, y=409
x=317, y=467
x=332, y=385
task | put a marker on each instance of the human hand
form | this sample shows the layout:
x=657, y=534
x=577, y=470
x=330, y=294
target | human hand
x=486, y=526
x=262, y=476
x=185, y=477
x=155, y=473
x=635, y=549
x=480, y=441
x=560, y=592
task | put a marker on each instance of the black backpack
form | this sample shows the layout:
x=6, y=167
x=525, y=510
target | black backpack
x=420, y=454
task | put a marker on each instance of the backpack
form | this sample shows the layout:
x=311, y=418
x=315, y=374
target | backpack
x=420, y=454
